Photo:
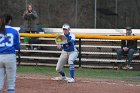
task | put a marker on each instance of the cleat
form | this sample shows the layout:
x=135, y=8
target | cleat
x=124, y=68
x=71, y=80
x=59, y=78
x=127, y=67
x=130, y=67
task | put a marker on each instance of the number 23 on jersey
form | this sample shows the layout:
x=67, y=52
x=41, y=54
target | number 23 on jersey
x=6, y=40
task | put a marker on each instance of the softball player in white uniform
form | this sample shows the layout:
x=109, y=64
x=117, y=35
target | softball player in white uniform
x=69, y=54
x=9, y=42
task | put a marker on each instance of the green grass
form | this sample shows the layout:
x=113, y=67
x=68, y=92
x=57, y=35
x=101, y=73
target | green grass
x=131, y=75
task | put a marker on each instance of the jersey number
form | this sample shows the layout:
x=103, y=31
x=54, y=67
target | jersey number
x=6, y=41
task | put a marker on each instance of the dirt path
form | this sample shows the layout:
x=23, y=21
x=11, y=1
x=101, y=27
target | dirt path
x=44, y=84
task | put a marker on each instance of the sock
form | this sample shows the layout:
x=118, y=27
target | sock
x=62, y=74
x=71, y=69
x=11, y=91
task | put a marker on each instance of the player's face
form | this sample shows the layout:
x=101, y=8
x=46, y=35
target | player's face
x=66, y=31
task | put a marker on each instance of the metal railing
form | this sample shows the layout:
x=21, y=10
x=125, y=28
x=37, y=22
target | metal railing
x=95, y=53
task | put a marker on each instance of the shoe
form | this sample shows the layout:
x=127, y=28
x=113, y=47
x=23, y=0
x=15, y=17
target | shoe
x=130, y=67
x=59, y=78
x=127, y=67
x=71, y=80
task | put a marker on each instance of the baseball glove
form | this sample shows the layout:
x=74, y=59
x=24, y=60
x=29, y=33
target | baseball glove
x=61, y=39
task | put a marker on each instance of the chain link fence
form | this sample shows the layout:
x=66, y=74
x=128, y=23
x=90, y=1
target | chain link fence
x=78, y=13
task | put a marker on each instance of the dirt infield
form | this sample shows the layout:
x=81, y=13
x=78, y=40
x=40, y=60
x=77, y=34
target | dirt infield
x=44, y=84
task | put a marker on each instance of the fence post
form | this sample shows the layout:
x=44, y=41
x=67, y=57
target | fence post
x=80, y=52
x=18, y=57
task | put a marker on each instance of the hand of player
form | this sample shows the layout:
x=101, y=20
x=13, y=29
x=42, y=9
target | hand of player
x=59, y=46
x=125, y=48
x=28, y=12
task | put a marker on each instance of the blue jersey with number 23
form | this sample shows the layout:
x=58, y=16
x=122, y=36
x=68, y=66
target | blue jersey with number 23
x=9, y=42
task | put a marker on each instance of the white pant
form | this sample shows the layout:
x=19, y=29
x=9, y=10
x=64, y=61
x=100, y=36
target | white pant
x=7, y=70
x=65, y=57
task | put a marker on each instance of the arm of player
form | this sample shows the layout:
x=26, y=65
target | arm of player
x=17, y=41
x=72, y=41
x=59, y=46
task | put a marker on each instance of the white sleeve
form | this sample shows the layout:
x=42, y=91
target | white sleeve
x=72, y=36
